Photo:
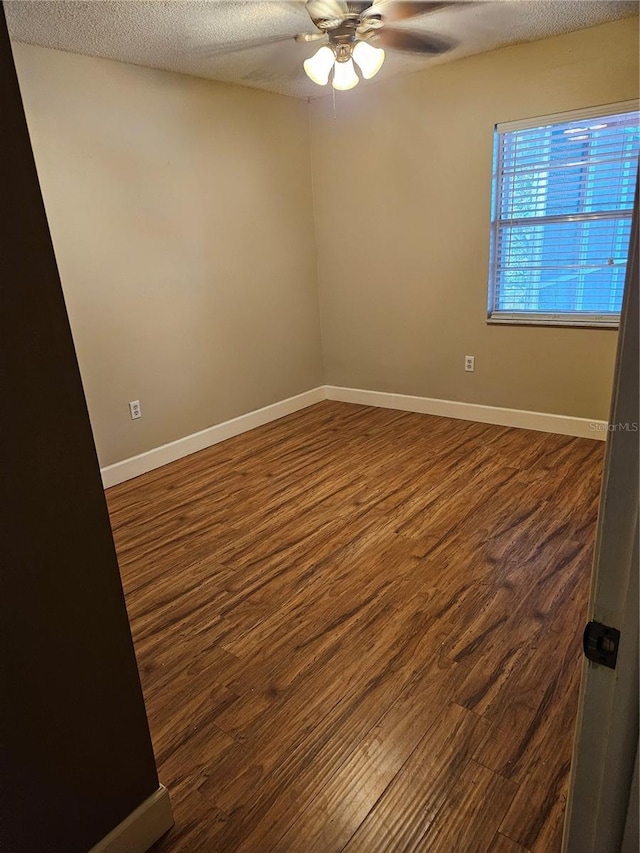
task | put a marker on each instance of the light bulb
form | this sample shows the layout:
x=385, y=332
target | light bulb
x=319, y=65
x=369, y=59
x=344, y=76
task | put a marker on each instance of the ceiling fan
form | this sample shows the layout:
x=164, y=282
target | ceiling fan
x=360, y=30
x=353, y=30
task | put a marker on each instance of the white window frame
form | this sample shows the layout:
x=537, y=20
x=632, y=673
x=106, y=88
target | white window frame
x=535, y=318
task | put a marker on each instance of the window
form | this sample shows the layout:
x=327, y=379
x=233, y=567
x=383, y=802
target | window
x=563, y=189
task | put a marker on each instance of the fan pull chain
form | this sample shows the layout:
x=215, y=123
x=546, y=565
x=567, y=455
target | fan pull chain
x=333, y=95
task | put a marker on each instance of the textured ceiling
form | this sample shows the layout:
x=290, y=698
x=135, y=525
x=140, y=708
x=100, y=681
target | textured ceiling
x=195, y=37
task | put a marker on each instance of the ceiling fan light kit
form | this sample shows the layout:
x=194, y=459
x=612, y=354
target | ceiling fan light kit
x=318, y=67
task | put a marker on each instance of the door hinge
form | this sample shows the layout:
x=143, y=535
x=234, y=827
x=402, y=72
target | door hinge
x=600, y=644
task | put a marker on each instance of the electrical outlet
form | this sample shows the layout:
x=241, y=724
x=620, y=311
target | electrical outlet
x=469, y=363
x=134, y=408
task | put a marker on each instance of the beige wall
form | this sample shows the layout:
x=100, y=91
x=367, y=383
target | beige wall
x=182, y=220
x=402, y=182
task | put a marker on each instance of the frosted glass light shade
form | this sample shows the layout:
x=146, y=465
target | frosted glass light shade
x=344, y=76
x=318, y=66
x=369, y=59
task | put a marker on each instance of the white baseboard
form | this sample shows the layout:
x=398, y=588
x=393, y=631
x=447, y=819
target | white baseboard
x=159, y=456
x=142, y=828
x=541, y=421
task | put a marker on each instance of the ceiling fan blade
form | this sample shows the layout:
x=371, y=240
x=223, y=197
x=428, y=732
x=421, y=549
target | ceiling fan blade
x=303, y=38
x=327, y=10
x=249, y=44
x=399, y=10
x=411, y=41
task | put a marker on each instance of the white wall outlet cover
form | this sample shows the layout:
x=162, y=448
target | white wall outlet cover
x=135, y=410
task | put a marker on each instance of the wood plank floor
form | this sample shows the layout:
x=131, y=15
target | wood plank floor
x=359, y=629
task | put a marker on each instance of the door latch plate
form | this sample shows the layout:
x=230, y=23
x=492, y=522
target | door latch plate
x=600, y=643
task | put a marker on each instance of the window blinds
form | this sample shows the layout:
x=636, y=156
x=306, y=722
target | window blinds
x=563, y=191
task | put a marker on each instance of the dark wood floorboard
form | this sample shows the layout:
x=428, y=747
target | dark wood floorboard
x=359, y=629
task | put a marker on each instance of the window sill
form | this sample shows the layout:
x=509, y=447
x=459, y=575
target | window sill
x=563, y=322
